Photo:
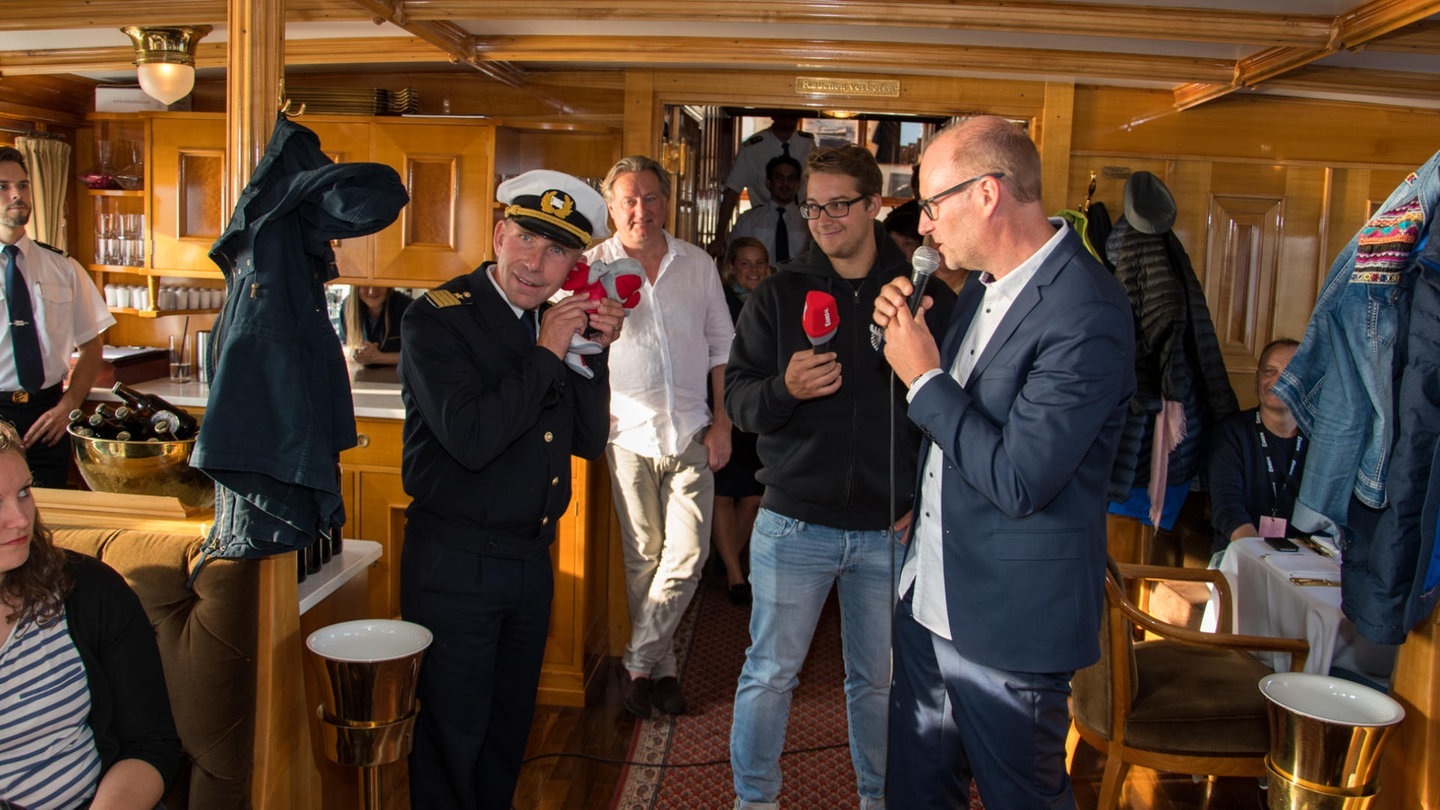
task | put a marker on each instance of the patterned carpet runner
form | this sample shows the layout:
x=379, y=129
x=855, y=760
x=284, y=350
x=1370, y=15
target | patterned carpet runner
x=688, y=757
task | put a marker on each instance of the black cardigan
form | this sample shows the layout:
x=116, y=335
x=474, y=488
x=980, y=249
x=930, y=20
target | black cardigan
x=129, y=706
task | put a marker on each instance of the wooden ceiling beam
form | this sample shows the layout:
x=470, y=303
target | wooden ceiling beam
x=1351, y=29
x=1059, y=19
x=445, y=35
x=805, y=55
x=118, y=13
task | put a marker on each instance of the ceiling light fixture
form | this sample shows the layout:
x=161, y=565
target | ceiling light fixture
x=165, y=59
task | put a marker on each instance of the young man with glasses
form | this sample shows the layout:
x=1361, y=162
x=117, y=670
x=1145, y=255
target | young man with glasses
x=825, y=418
x=1021, y=401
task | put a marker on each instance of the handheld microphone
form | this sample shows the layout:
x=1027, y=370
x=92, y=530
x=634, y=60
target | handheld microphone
x=924, y=263
x=820, y=319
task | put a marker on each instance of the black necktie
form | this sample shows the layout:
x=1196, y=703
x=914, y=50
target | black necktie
x=528, y=319
x=785, y=146
x=782, y=238
x=28, y=364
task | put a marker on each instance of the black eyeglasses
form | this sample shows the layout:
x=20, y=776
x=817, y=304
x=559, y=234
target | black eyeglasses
x=928, y=204
x=835, y=208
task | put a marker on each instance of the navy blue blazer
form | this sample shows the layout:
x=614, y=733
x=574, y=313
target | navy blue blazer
x=1029, y=442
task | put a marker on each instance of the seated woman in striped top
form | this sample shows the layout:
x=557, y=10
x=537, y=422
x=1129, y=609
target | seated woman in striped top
x=84, y=715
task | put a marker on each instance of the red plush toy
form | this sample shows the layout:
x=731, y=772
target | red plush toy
x=619, y=280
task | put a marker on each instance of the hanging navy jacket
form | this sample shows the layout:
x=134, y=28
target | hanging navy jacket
x=280, y=409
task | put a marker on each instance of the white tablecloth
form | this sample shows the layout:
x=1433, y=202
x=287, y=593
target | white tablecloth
x=1269, y=602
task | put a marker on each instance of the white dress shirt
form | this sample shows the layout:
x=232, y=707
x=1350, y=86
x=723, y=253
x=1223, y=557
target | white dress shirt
x=67, y=307
x=925, y=566
x=660, y=365
x=760, y=222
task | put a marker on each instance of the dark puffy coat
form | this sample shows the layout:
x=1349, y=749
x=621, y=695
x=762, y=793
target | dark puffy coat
x=1177, y=356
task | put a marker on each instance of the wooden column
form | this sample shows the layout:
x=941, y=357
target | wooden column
x=255, y=70
x=1056, y=125
x=642, y=115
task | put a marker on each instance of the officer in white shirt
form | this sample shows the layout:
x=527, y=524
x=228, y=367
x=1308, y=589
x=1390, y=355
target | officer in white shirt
x=783, y=137
x=769, y=223
x=52, y=307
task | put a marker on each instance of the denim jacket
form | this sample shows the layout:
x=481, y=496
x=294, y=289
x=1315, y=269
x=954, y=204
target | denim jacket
x=280, y=409
x=1339, y=385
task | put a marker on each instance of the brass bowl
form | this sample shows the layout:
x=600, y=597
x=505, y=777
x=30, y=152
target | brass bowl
x=144, y=468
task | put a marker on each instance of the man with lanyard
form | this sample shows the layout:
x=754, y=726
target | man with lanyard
x=1257, y=458
x=52, y=307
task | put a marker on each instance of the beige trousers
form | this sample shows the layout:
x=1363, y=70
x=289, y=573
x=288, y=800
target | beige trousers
x=664, y=506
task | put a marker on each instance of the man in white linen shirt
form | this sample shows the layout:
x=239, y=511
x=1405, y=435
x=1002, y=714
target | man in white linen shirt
x=664, y=444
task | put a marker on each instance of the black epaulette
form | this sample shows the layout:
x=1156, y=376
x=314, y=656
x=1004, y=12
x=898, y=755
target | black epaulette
x=802, y=133
x=52, y=248
x=754, y=139
x=442, y=298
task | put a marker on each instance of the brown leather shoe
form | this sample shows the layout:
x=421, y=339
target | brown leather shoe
x=636, y=694
x=665, y=693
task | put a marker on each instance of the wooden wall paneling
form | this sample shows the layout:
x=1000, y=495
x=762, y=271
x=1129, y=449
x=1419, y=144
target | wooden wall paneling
x=575, y=151
x=1243, y=262
x=1302, y=251
x=447, y=170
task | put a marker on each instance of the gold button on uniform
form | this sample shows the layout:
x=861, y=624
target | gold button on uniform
x=545, y=521
x=549, y=437
x=555, y=482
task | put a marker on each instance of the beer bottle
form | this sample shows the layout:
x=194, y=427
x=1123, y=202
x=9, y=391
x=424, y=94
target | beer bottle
x=146, y=406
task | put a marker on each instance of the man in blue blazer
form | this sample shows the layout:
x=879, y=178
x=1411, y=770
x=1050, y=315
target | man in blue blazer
x=1021, y=405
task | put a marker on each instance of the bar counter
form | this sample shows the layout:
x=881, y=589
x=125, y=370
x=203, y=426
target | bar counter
x=376, y=392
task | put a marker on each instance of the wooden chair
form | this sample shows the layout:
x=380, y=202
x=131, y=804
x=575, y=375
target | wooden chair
x=1183, y=701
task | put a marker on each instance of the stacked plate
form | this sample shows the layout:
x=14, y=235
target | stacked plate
x=355, y=100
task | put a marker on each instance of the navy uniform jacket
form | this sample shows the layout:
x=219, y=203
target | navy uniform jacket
x=491, y=421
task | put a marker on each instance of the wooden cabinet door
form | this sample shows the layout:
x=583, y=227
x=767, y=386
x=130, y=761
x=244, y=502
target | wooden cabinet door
x=348, y=141
x=375, y=502
x=188, y=205
x=445, y=229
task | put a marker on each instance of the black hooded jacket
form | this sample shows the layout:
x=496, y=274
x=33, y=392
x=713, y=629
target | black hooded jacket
x=827, y=460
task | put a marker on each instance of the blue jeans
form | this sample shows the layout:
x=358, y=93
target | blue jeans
x=792, y=567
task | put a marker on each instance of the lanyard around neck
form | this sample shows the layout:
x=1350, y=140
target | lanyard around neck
x=1278, y=486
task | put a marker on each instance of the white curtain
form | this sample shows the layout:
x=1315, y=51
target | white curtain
x=49, y=162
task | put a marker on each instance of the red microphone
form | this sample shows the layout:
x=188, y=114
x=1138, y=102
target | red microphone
x=820, y=319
